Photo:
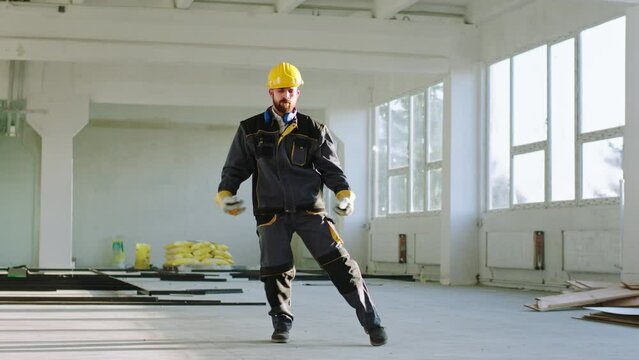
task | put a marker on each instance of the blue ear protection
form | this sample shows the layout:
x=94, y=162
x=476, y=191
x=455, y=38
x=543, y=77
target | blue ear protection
x=288, y=117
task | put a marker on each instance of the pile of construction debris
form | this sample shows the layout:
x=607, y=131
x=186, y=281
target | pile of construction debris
x=616, y=303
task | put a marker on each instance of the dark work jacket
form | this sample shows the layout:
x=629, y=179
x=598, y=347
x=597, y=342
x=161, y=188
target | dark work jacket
x=289, y=170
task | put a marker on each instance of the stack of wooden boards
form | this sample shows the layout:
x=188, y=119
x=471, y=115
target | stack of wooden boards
x=615, y=303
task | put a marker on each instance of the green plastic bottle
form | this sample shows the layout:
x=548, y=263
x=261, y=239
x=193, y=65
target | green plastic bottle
x=119, y=256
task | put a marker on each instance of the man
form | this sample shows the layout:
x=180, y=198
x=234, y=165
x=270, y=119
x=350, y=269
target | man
x=291, y=158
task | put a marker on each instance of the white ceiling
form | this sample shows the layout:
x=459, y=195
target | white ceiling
x=382, y=9
x=468, y=11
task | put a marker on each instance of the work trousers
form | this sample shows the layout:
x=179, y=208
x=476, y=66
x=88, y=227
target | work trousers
x=320, y=237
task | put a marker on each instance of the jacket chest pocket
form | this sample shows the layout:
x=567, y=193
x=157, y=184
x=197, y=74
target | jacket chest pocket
x=300, y=151
x=265, y=146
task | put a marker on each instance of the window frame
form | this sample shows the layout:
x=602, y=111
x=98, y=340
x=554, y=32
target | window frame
x=409, y=170
x=545, y=145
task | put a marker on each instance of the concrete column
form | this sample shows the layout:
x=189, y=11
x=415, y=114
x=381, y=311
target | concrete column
x=460, y=193
x=630, y=227
x=64, y=115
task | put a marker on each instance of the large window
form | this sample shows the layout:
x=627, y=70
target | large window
x=408, y=153
x=555, y=121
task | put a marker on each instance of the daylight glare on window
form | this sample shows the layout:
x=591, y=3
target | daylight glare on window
x=435, y=121
x=407, y=151
x=398, y=191
x=602, y=168
x=380, y=152
x=528, y=178
x=399, y=127
x=562, y=120
x=603, y=63
x=499, y=135
x=529, y=96
x=418, y=158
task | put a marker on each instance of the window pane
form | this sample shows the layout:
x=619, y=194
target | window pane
x=435, y=121
x=528, y=174
x=562, y=120
x=419, y=154
x=602, y=168
x=435, y=189
x=499, y=135
x=529, y=96
x=603, y=59
x=398, y=188
x=399, y=126
x=380, y=151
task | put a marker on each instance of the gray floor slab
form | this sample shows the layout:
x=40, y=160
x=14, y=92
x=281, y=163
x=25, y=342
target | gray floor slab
x=424, y=321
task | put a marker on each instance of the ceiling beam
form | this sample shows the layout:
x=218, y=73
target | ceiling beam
x=478, y=12
x=286, y=6
x=183, y=4
x=386, y=9
x=200, y=28
x=79, y=51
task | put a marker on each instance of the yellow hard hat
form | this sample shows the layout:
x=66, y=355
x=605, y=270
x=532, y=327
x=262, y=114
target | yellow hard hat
x=284, y=75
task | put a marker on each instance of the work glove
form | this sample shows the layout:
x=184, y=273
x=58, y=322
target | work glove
x=229, y=203
x=345, y=203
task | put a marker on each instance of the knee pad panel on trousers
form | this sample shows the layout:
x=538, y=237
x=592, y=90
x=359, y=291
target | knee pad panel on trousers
x=278, y=292
x=345, y=274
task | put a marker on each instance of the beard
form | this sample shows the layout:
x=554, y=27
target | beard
x=284, y=106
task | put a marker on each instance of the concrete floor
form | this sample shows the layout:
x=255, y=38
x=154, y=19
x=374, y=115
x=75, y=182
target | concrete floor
x=424, y=321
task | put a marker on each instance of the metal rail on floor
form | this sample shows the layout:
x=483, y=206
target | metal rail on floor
x=27, y=281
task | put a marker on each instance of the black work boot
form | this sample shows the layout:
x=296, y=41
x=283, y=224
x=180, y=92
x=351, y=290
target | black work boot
x=279, y=336
x=377, y=336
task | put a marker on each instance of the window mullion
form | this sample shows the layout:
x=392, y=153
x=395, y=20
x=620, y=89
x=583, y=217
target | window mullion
x=388, y=159
x=578, y=121
x=511, y=194
x=548, y=147
x=427, y=120
x=411, y=127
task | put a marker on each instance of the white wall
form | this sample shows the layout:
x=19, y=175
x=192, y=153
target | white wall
x=527, y=27
x=150, y=174
x=154, y=186
x=350, y=126
x=184, y=60
x=552, y=221
x=417, y=228
x=157, y=57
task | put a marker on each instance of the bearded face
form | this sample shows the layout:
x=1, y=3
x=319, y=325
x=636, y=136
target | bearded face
x=284, y=99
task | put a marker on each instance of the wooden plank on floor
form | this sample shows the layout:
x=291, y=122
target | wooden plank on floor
x=611, y=318
x=631, y=286
x=615, y=310
x=592, y=285
x=576, y=285
x=581, y=285
x=581, y=298
x=632, y=301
